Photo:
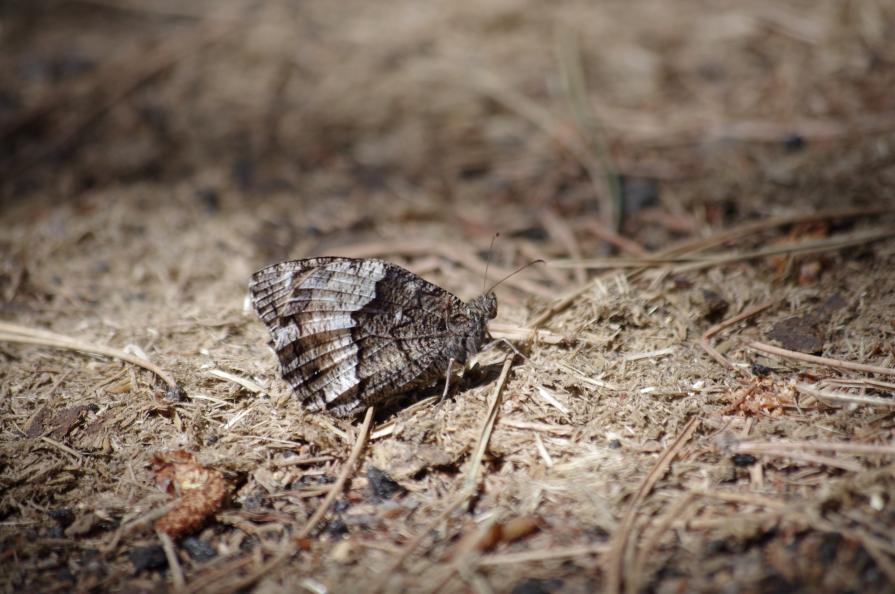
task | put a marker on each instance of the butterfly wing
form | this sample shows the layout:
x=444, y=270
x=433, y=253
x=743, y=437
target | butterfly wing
x=350, y=332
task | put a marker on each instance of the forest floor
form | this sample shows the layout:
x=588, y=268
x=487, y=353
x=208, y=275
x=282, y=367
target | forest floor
x=700, y=394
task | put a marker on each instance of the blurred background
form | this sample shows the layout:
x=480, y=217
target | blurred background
x=651, y=118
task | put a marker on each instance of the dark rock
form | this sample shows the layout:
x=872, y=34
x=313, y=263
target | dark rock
x=760, y=370
x=174, y=394
x=713, y=306
x=743, y=459
x=638, y=193
x=199, y=549
x=793, y=143
x=337, y=528
x=537, y=586
x=210, y=200
x=63, y=516
x=381, y=486
x=799, y=333
x=151, y=558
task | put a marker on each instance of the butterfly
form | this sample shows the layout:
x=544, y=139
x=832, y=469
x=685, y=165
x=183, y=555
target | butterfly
x=352, y=333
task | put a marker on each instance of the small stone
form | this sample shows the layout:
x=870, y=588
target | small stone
x=64, y=516
x=151, y=558
x=381, y=486
x=337, y=528
x=743, y=459
x=536, y=586
x=760, y=370
x=199, y=549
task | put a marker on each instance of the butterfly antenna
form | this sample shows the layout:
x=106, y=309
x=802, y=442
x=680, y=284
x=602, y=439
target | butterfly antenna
x=488, y=259
x=515, y=272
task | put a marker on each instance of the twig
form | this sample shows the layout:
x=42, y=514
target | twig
x=802, y=247
x=78, y=455
x=499, y=330
x=604, y=233
x=344, y=473
x=691, y=263
x=830, y=446
x=544, y=555
x=173, y=563
x=205, y=580
x=825, y=395
x=834, y=363
x=619, y=545
x=140, y=522
x=747, y=229
x=10, y=332
x=241, y=381
x=782, y=452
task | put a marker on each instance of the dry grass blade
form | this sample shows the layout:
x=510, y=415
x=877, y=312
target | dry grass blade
x=475, y=462
x=573, y=79
x=545, y=555
x=22, y=334
x=499, y=331
x=748, y=229
x=617, y=552
x=690, y=247
x=241, y=381
x=802, y=247
x=826, y=361
x=691, y=263
x=849, y=448
x=809, y=458
x=488, y=84
x=173, y=564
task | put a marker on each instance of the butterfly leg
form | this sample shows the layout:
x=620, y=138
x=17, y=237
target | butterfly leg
x=447, y=381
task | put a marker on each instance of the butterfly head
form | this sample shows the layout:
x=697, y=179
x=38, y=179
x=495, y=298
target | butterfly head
x=485, y=306
x=482, y=309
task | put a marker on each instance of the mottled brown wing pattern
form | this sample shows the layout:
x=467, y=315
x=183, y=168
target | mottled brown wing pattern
x=350, y=333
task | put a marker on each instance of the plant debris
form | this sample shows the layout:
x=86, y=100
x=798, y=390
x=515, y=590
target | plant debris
x=200, y=491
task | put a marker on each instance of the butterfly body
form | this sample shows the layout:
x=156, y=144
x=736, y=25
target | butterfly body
x=350, y=333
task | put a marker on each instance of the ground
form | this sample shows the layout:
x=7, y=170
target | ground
x=707, y=181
